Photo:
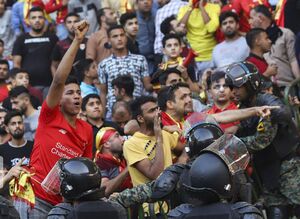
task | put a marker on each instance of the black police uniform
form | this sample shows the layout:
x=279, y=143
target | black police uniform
x=216, y=211
x=268, y=160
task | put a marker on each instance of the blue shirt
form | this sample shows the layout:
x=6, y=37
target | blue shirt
x=87, y=89
x=146, y=34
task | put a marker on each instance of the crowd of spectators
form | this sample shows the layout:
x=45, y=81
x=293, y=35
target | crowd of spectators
x=119, y=91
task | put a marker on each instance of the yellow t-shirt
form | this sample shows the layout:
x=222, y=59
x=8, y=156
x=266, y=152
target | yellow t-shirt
x=140, y=147
x=200, y=35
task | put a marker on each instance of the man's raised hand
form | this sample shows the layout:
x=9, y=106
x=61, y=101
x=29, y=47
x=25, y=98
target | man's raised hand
x=265, y=111
x=81, y=29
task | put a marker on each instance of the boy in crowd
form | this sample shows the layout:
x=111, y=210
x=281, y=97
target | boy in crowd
x=221, y=95
x=20, y=77
x=87, y=70
x=130, y=24
x=259, y=43
x=123, y=87
x=92, y=108
x=172, y=49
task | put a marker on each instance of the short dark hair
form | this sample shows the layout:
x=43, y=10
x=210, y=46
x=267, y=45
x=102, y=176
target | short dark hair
x=252, y=35
x=2, y=42
x=263, y=10
x=18, y=90
x=170, y=36
x=126, y=82
x=71, y=14
x=165, y=74
x=215, y=76
x=86, y=99
x=168, y=93
x=14, y=71
x=136, y=105
x=126, y=16
x=114, y=27
x=34, y=9
x=4, y=62
x=12, y=114
x=226, y=14
x=71, y=80
x=165, y=26
x=82, y=66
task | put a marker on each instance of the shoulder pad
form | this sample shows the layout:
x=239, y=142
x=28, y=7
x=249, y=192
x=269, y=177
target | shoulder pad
x=62, y=209
x=167, y=181
x=181, y=210
x=245, y=208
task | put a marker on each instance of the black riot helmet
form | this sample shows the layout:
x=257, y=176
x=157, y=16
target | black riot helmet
x=200, y=130
x=209, y=178
x=80, y=178
x=211, y=175
x=244, y=73
x=75, y=179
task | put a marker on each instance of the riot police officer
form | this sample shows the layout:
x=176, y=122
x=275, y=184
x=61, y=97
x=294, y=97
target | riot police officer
x=78, y=180
x=274, y=157
x=210, y=182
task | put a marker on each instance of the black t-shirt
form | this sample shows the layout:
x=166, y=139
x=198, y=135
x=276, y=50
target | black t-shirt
x=12, y=154
x=62, y=46
x=36, y=56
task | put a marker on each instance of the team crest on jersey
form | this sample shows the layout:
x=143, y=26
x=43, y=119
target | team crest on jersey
x=62, y=131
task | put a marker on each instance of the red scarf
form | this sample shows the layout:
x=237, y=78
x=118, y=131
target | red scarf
x=108, y=161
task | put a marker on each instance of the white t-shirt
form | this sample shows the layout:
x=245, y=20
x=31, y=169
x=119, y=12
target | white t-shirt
x=229, y=52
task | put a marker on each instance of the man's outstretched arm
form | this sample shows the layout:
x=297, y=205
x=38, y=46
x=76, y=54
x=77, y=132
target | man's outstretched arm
x=65, y=66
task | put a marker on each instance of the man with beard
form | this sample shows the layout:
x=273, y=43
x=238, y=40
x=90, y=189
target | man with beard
x=4, y=136
x=110, y=160
x=18, y=147
x=32, y=51
x=148, y=151
x=97, y=47
x=20, y=100
x=92, y=109
x=63, y=45
x=175, y=101
x=4, y=66
x=234, y=48
x=60, y=134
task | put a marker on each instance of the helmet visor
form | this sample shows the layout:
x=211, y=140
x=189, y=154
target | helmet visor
x=232, y=151
x=236, y=76
x=51, y=184
x=195, y=119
